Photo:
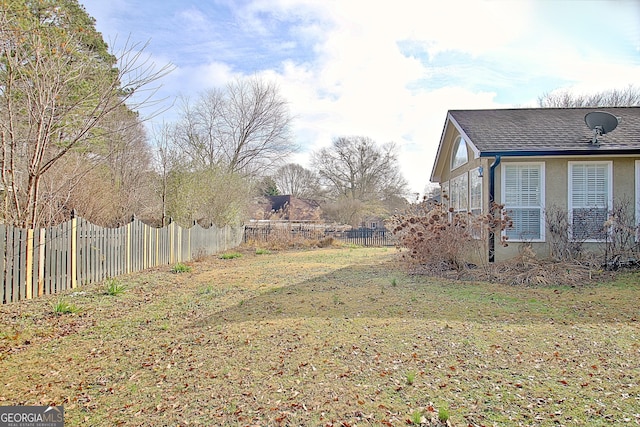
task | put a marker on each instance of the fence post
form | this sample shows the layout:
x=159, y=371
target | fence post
x=127, y=261
x=29, y=262
x=41, y=261
x=189, y=242
x=145, y=247
x=179, y=242
x=157, y=261
x=74, y=255
x=172, y=258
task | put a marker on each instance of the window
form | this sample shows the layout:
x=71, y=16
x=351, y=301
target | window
x=460, y=193
x=523, y=198
x=459, y=153
x=475, y=192
x=475, y=202
x=445, y=193
x=590, y=197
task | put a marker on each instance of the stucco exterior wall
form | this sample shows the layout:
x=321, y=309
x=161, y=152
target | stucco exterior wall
x=556, y=195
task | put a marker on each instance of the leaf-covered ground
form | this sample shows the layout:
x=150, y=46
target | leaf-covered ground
x=327, y=337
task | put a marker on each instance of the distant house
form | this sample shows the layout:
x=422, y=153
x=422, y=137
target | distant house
x=289, y=208
x=373, y=222
x=532, y=160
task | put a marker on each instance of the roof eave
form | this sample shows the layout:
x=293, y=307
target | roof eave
x=450, y=119
x=545, y=153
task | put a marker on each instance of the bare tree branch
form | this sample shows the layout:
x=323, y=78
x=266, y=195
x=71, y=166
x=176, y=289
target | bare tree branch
x=627, y=97
x=55, y=98
x=245, y=128
x=358, y=176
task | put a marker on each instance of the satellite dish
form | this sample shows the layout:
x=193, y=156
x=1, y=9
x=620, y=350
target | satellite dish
x=600, y=123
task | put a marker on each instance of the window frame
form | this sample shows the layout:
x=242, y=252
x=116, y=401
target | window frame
x=570, y=207
x=542, y=198
x=456, y=183
x=475, y=177
x=457, y=144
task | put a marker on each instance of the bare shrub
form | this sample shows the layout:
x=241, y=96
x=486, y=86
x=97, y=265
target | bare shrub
x=440, y=239
x=327, y=242
x=526, y=269
x=436, y=240
x=284, y=235
x=621, y=247
x=199, y=254
x=562, y=247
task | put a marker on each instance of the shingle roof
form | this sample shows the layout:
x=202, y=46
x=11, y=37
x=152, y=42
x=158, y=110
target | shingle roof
x=546, y=130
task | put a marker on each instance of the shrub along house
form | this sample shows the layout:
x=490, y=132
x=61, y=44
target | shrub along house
x=539, y=161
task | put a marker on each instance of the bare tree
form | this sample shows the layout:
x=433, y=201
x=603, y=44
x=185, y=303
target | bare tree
x=56, y=92
x=190, y=191
x=295, y=180
x=208, y=196
x=359, y=176
x=169, y=161
x=244, y=128
x=198, y=133
x=105, y=183
x=126, y=161
x=628, y=97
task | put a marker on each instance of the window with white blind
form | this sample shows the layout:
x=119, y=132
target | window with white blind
x=523, y=199
x=590, y=198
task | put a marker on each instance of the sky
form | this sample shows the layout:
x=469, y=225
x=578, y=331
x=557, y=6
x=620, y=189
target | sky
x=387, y=70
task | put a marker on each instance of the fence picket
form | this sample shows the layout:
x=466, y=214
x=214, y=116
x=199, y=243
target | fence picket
x=8, y=276
x=16, y=240
x=3, y=263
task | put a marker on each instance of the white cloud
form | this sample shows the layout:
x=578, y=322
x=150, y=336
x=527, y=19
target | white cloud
x=360, y=84
x=354, y=79
x=193, y=18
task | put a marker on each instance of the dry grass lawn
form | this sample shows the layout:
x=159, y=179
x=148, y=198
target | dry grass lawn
x=326, y=337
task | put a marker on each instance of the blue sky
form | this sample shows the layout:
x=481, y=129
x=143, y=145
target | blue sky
x=386, y=70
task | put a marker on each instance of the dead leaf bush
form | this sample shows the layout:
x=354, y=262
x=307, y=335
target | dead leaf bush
x=437, y=241
x=528, y=270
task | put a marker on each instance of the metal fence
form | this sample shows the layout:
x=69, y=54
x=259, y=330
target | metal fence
x=366, y=236
x=276, y=230
x=54, y=259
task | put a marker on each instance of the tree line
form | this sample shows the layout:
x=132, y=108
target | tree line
x=72, y=138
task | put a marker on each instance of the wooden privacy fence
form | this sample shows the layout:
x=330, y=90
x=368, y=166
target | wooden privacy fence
x=54, y=259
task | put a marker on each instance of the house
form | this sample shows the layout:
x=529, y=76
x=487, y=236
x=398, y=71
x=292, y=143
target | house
x=539, y=159
x=289, y=208
x=373, y=222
